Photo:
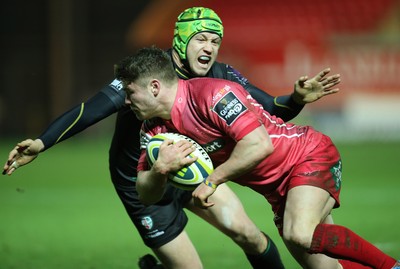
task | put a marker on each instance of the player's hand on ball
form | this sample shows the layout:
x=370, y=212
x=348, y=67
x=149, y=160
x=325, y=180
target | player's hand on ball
x=310, y=90
x=172, y=156
x=201, y=194
x=24, y=153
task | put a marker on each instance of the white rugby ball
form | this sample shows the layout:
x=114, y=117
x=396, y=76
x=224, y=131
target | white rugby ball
x=188, y=178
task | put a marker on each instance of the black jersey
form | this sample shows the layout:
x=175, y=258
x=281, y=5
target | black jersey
x=125, y=147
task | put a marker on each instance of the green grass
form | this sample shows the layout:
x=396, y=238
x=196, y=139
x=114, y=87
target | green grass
x=62, y=212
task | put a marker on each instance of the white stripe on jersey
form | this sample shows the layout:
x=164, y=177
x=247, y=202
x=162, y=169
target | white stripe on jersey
x=283, y=125
x=285, y=135
x=277, y=124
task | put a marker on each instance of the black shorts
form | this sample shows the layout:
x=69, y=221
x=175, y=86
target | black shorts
x=157, y=224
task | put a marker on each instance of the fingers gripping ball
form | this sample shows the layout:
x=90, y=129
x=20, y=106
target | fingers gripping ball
x=187, y=178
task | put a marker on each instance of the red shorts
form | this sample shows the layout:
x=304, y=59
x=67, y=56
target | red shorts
x=321, y=167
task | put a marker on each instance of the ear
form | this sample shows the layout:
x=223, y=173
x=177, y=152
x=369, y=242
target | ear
x=155, y=87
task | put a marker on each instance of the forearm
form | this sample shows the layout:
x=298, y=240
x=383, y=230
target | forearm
x=78, y=119
x=151, y=185
x=247, y=154
x=285, y=107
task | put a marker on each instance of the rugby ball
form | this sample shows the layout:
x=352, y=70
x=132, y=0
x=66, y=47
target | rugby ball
x=188, y=178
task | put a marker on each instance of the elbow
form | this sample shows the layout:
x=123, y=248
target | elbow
x=261, y=153
x=148, y=195
x=145, y=196
x=261, y=147
x=147, y=199
x=267, y=150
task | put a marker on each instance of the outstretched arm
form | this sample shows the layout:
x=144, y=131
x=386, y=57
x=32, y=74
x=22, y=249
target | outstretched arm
x=77, y=119
x=103, y=104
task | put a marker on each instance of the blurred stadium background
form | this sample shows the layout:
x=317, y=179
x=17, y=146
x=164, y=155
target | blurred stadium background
x=62, y=210
x=58, y=53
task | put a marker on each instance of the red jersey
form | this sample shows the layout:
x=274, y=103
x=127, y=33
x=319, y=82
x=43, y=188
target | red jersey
x=216, y=113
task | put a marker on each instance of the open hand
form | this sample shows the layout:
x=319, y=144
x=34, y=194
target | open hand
x=24, y=153
x=310, y=90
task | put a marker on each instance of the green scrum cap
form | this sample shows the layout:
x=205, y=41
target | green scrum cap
x=192, y=21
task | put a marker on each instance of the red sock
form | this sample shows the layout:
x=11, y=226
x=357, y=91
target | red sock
x=339, y=242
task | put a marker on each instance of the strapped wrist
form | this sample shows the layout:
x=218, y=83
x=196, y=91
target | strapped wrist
x=210, y=184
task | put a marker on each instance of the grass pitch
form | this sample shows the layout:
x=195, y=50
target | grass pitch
x=62, y=212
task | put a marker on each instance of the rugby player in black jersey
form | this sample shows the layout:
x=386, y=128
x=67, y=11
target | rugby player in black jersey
x=197, y=39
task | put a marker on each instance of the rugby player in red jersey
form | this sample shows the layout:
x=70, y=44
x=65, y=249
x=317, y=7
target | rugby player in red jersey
x=296, y=168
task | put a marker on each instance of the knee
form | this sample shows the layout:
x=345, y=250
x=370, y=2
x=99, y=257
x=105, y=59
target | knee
x=239, y=231
x=300, y=236
x=248, y=237
x=233, y=221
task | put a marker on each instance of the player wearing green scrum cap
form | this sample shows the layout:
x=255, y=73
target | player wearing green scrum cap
x=204, y=27
x=197, y=39
x=191, y=22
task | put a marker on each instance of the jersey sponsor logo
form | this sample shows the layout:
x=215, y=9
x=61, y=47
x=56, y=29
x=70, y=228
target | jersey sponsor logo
x=116, y=85
x=229, y=108
x=147, y=222
x=214, y=145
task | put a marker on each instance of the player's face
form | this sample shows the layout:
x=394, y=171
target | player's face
x=141, y=100
x=202, y=51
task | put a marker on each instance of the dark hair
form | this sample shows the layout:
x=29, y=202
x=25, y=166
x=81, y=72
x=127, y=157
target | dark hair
x=147, y=62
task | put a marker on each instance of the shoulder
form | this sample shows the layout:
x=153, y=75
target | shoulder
x=210, y=89
x=226, y=71
x=218, y=70
x=209, y=84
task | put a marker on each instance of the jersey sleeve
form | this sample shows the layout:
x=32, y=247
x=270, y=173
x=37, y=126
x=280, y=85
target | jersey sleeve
x=106, y=102
x=283, y=106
